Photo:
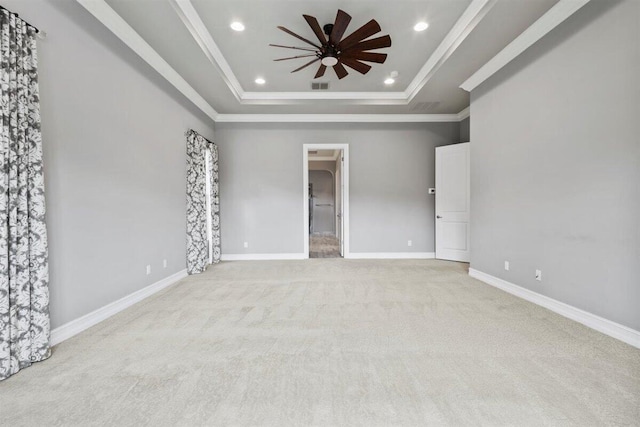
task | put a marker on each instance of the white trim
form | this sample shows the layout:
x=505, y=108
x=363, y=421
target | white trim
x=464, y=114
x=201, y=35
x=305, y=192
x=336, y=118
x=471, y=17
x=607, y=327
x=118, y=26
x=68, y=330
x=375, y=98
x=547, y=22
x=189, y=16
x=322, y=159
x=262, y=257
x=391, y=255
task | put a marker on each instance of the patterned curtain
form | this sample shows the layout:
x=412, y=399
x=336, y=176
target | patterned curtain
x=201, y=152
x=24, y=266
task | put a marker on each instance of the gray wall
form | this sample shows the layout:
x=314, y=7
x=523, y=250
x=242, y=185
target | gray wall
x=465, y=130
x=556, y=165
x=113, y=138
x=391, y=168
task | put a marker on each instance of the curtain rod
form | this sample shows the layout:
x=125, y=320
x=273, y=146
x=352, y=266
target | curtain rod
x=32, y=26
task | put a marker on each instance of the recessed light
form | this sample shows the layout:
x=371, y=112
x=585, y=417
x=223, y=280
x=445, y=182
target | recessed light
x=237, y=26
x=421, y=26
x=260, y=81
x=389, y=81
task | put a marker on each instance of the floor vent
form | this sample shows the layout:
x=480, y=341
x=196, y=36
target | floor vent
x=319, y=86
x=425, y=106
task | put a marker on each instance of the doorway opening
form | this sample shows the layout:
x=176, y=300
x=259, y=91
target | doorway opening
x=326, y=200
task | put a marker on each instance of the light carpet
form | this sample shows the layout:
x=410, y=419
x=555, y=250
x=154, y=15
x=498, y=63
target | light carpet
x=331, y=343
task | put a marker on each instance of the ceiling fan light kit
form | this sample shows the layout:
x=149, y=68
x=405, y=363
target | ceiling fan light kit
x=329, y=61
x=335, y=51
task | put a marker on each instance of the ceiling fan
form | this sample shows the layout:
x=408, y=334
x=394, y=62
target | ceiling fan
x=334, y=51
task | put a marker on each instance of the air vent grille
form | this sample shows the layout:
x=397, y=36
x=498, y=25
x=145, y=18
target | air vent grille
x=319, y=85
x=425, y=106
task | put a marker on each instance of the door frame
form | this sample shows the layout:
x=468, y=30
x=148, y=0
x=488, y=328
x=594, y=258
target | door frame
x=305, y=192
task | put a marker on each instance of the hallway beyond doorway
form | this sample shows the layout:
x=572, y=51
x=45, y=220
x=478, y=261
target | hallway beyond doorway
x=324, y=246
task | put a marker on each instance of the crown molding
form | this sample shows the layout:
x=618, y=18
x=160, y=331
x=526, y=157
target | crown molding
x=464, y=114
x=471, y=17
x=322, y=159
x=331, y=158
x=190, y=18
x=118, y=26
x=547, y=22
x=337, y=118
x=353, y=98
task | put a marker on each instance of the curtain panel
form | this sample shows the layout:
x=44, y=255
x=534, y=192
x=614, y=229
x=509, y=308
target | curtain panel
x=203, y=203
x=24, y=268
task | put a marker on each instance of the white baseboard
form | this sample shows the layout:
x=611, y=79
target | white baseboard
x=600, y=324
x=78, y=325
x=391, y=255
x=262, y=257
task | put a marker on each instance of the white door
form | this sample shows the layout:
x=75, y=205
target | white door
x=453, y=198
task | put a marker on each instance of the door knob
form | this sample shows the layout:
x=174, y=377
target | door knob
x=438, y=216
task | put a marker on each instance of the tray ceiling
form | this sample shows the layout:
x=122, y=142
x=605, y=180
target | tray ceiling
x=195, y=39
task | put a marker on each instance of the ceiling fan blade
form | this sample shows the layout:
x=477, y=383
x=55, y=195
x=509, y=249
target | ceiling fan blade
x=340, y=71
x=339, y=27
x=360, y=67
x=367, y=30
x=377, y=43
x=293, y=47
x=313, y=23
x=321, y=71
x=306, y=65
x=297, y=36
x=365, y=56
x=293, y=57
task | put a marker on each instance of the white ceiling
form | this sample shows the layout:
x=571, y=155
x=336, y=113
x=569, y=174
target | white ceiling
x=194, y=38
x=323, y=155
x=250, y=56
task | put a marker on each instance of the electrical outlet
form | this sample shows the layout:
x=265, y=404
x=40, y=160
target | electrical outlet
x=506, y=265
x=148, y=270
x=246, y=244
x=539, y=275
x=409, y=243
x=164, y=263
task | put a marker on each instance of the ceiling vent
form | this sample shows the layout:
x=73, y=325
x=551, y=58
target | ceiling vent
x=425, y=106
x=319, y=85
